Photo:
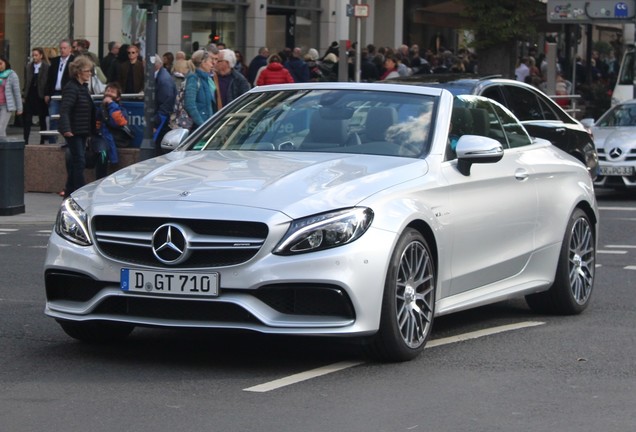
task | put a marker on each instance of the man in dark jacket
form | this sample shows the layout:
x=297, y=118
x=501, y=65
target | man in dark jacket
x=165, y=95
x=57, y=78
x=297, y=67
x=131, y=73
x=111, y=57
x=231, y=83
x=257, y=62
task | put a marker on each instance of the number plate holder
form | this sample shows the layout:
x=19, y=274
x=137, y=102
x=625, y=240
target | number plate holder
x=186, y=284
x=616, y=170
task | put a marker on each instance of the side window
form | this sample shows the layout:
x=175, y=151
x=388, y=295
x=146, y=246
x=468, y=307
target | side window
x=524, y=104
x=548, y=112
x=627, y=70
x=515, y=134
x=494, y=93
x=474, y=115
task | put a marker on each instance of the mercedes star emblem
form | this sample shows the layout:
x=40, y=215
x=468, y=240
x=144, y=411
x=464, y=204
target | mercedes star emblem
x=169, y=244
x=615, y=152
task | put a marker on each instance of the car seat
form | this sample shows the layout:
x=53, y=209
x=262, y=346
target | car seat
x=379, y=120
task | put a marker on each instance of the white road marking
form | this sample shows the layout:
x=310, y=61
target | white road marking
x=629, y=268
x=8, y=229
x=303, y=376
x=617, y=252
x=618, y=208
x=621, y=246
x=481, y=333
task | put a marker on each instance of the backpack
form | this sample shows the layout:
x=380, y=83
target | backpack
x=180, y=117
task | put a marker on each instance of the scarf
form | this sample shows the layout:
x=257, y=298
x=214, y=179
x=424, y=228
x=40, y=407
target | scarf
x=4, y=74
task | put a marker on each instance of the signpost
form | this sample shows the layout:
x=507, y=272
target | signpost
x=359, y=11
x=147, y=149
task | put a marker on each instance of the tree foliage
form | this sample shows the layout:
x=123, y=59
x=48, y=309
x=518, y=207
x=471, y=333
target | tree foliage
x=497, y=22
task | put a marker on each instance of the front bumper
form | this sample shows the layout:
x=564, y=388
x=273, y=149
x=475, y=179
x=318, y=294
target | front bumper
x=332, y=292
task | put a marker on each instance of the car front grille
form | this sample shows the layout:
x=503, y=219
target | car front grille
x=630, y=157
x=213, y=243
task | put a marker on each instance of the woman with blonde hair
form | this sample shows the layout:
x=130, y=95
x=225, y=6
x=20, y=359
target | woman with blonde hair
x=200, y=98
x=77, y=120
x=180, y=69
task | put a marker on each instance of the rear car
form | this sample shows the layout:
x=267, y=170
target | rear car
x=615, y=137
x=539, y=114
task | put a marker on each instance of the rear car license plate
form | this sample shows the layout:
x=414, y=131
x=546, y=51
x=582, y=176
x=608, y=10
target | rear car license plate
x=616, y=170
x=170, y=283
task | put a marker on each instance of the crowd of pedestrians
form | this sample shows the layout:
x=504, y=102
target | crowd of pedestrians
x=57, y=90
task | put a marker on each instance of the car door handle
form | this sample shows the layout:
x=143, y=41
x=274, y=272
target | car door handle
x=521, y=174
x=560, y=131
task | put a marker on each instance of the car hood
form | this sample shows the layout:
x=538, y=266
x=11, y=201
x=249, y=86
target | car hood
x=611, y=136
x=296, y=184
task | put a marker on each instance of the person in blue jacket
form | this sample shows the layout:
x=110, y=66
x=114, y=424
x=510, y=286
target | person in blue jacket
x=165, y=95
x=112, y=121
x=200, y=100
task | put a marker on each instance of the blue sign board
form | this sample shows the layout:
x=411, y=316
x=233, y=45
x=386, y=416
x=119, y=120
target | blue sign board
x=586, y=11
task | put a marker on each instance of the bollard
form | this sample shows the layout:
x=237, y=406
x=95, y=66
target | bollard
x=11, y=176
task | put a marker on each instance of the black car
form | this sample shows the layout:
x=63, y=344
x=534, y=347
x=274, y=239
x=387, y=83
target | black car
x=539, y=114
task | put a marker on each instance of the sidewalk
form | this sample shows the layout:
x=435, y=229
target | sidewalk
x=39, y=208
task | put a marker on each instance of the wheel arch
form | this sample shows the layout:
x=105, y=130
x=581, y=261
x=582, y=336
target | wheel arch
x=426, y=231
x=589, y=211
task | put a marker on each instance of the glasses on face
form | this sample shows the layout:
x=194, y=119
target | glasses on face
x=132, y=52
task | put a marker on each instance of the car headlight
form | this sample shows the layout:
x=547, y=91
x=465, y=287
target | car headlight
x=72, y=223
x=324, y=231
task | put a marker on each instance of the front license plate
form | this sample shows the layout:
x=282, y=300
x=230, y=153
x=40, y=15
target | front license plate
x=616, y=170
x=170, y=283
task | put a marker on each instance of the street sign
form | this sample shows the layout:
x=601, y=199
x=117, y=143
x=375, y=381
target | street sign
x=361, y=10
x=591, y=12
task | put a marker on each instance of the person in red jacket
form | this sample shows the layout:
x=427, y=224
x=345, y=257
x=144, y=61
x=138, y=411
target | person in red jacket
x=274, y=72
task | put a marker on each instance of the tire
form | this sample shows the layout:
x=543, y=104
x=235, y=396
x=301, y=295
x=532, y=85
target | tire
x=572, y=288
x=96, y=331
x=408, y=301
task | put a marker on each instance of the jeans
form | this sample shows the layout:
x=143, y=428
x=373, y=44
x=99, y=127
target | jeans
x=5, y=116
x=54, y=109
x=75, y=163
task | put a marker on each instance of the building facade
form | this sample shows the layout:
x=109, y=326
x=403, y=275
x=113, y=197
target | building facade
x=244, y=25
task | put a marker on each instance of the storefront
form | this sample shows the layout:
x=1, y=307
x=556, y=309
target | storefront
x=14, y=25
x=288, y=23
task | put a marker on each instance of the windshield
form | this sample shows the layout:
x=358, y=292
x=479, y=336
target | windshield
x=620, y=115
x=349, y=121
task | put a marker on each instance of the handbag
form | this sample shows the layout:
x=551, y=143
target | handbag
x=95, y=86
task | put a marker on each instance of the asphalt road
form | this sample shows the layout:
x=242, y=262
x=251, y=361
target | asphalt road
x=516, y=371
